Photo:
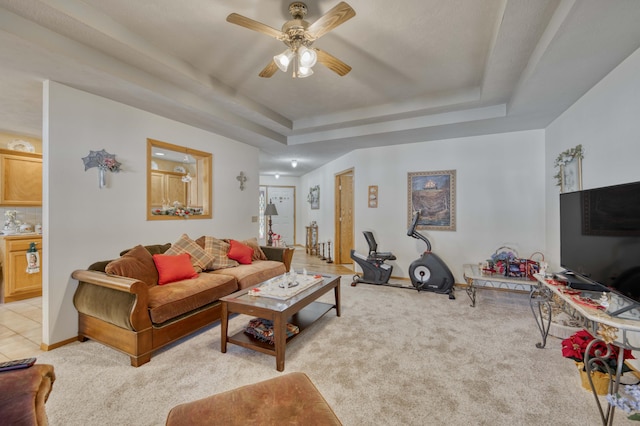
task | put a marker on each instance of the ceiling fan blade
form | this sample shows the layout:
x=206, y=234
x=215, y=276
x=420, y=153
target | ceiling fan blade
x=249, y=23
x=333, y=63
x=339, y=14
x=269, y=70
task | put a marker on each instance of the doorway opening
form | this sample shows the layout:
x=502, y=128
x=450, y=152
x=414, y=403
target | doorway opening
x=284, y=223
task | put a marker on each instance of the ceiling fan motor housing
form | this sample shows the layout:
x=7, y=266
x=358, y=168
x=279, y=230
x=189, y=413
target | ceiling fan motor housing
x=296, y=28
x=298, y=10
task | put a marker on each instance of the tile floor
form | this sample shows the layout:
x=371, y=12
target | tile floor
x=20, y=329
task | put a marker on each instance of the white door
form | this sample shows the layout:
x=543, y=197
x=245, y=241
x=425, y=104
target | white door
x=284, y=224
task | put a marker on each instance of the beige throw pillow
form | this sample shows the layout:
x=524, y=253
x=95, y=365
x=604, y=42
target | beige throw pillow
x=258, y=254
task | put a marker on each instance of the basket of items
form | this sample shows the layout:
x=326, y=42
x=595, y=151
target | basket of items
x=500, y=259
x=505, y=261
x=521, y=268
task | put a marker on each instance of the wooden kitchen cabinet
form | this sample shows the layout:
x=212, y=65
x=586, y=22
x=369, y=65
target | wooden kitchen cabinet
x=21, y=183
x=167, y=188
x=17, y=283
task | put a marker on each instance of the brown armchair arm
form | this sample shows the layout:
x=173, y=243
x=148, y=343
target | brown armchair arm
x=280, y=254
x=119, y=300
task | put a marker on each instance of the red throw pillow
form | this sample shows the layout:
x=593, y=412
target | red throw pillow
x=173, y=268
x=240, y=252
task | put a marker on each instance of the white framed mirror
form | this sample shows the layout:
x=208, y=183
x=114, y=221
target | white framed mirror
x=178, y=182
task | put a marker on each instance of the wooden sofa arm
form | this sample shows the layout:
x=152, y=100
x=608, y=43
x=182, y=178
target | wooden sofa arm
x=280, y=254
x=119, y=300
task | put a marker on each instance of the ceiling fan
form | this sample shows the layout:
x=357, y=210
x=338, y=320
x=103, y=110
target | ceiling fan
x=299, y=35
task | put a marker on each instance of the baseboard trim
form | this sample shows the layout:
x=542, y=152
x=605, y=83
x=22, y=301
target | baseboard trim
x=44, y=347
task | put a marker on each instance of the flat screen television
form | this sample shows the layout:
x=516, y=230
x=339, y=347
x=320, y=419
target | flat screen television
x=600, y=236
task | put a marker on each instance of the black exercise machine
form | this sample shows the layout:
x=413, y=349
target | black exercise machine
x=374, y=270
x=428, y=273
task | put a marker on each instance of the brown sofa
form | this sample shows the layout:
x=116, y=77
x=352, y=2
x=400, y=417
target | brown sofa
x=121, y=304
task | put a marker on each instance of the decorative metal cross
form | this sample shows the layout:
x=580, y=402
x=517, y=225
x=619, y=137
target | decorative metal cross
x=242, y=179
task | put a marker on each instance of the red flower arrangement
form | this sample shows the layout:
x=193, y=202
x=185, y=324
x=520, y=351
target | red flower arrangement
x=575, y=348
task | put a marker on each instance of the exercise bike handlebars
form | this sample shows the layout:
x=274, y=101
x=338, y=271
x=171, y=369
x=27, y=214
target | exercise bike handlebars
x=415, y=234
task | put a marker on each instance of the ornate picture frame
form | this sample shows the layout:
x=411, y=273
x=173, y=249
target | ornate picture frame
x=434, y=195
x=569, y=163
x=571, y=176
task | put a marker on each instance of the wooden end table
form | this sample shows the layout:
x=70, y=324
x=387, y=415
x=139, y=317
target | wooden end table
x=303, y=310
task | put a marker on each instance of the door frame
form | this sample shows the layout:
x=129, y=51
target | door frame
x=336, y=213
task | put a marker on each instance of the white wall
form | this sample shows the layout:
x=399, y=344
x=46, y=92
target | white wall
x=499, y=197
x=606, y=121
x=83, y=223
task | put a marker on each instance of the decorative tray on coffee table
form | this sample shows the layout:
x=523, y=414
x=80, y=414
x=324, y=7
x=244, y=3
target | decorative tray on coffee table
x=275, y=288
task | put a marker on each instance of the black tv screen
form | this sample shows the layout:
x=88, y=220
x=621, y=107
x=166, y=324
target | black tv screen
x=600, y=236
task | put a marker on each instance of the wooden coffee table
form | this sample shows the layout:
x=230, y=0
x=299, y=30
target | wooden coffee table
x=303, y=310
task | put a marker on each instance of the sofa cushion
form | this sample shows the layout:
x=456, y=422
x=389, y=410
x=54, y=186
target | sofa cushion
x=219, y=250
x=181, y=297
x=136, y=263
x=258, y=254
x=255, y=273
x=240, y=252
x=199, y=257
x=172, y=268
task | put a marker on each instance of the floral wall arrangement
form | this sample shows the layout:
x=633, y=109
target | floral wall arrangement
x=569, y=164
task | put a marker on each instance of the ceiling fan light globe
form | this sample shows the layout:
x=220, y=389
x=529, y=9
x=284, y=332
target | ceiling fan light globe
x=283, y=60
x=307, y=57
x=304, y=72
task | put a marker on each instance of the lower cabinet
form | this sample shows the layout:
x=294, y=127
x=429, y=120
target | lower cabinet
x=17, y=283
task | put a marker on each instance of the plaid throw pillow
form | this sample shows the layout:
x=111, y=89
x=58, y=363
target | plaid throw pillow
x=200, y=259
x=218, y=249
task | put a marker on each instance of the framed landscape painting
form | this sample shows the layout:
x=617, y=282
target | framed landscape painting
x=433, y=194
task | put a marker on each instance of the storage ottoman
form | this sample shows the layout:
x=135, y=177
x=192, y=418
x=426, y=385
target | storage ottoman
x=290, y=399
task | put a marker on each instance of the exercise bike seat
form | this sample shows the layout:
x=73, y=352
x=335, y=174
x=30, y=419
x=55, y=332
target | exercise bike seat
x=373, y=249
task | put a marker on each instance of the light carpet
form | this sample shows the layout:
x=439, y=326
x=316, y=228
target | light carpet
x=394, y=357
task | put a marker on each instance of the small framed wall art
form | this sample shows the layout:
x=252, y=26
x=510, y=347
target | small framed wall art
x=372, y=196
x=314, y=197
